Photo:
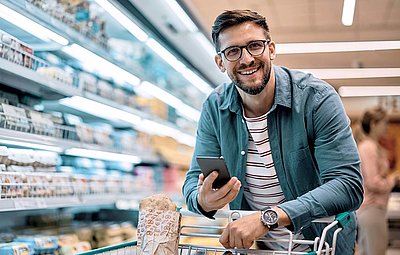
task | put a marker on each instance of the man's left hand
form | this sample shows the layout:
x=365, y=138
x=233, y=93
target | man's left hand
x=243, y=232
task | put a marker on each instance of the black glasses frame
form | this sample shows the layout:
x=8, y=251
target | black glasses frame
x=241, y=49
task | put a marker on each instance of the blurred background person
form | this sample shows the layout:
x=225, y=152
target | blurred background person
x=378, y=183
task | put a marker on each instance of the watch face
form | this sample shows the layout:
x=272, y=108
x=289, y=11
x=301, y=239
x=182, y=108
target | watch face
x=271, y=217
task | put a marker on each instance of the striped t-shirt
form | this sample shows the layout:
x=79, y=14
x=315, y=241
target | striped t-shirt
x=262, y=185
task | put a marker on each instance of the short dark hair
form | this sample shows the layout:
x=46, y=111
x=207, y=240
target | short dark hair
x=235, y=17
x=372, y=115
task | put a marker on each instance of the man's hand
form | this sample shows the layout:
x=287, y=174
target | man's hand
x=243, y=232
x=213, y=199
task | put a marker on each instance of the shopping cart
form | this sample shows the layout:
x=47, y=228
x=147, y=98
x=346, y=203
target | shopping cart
x=320, y=245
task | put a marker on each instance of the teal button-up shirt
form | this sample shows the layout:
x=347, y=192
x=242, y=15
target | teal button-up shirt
x=314, y=153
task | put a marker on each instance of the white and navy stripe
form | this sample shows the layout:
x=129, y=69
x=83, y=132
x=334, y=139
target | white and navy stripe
x=262, y=185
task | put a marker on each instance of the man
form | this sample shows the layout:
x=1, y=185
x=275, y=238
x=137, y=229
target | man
x=285, y=138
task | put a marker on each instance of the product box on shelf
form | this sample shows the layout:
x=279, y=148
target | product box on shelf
x=9, y=98
x=87, y=82
x=15, y=50
x=40, y=244
x=105, y=89
x=41, y=123
x=16, y=248
x=102, y=134
x=11, y=185
x=58, y=74
x=14, y=118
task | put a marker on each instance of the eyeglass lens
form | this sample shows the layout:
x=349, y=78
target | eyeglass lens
x=254, y=48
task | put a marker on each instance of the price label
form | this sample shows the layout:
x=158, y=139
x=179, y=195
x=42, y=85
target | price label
x=41, y=203
x=25, y=204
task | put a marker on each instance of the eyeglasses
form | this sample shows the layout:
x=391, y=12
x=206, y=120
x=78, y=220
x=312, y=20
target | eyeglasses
x=254, y=48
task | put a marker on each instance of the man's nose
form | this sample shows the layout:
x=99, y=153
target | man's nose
x=246, y=56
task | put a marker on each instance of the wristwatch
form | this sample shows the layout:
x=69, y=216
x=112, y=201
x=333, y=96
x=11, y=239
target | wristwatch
x=269, y=218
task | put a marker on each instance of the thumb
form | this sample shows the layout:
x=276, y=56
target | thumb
x=208, y=181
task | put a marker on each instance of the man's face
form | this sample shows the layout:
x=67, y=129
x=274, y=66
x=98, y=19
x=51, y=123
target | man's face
x=249, y=73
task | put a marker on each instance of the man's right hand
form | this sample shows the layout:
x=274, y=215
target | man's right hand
x=213, y=199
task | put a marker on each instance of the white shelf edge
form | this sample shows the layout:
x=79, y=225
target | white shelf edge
x=20, y=204
x=18, y=136
x=27, y=76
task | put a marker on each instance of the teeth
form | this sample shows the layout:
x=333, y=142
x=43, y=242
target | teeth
x=249, y=72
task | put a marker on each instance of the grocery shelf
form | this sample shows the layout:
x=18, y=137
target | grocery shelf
x=393, y=210
x=32, y=140
x=18, y=204
x=29, y=81
x=34, y=13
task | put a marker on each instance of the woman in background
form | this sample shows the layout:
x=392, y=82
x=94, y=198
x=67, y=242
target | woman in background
x=373, y=227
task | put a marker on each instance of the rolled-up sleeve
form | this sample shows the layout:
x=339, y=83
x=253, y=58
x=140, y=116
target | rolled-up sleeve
x=338, y=163
x=206, y=145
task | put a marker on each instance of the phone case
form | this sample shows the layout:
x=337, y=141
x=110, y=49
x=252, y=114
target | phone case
x=209, y=164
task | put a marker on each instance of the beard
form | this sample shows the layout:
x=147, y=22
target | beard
x=252, y=90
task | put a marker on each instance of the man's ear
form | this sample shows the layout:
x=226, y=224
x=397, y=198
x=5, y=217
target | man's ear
x=272, y=51
x=220, y=63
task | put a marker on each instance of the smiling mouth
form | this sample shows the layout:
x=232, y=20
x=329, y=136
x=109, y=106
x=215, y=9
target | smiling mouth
x=249, y=72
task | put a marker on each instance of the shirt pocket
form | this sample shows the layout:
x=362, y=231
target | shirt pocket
x=304, y=172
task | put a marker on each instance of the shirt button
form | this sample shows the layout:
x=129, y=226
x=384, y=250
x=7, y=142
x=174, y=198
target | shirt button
x=242, y=152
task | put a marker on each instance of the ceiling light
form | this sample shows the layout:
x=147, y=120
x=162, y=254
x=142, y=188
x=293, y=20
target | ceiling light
x=296, y=48
x=182, y=108
x=193, y=78
x=95, y=63
x=103, y=155
x=205, y=43
x=156, y=128
x=365, y=91
x=349, y=7
x=354, y=73
x=31, y=26
x=166, y=55
x=100, y=110
x=121, y=18
x=182, y=15
x=31, y=145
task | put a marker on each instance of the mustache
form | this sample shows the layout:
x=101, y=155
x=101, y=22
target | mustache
x=245, y=66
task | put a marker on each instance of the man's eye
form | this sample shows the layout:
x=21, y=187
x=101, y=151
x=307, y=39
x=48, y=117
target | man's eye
x=255, y=45
x=232, y=52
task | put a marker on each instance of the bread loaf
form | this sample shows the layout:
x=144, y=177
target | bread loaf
x=158, y=226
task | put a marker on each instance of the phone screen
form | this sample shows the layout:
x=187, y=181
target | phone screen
x=209, y=164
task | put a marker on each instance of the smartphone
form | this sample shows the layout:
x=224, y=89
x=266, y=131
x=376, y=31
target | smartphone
x=209, y=164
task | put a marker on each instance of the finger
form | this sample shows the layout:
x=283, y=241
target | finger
x=230, y=194
x=208, y=181
x=201, y=180
x=247, y=244
x=234, y=242
x=224, y=238
x=233, y=183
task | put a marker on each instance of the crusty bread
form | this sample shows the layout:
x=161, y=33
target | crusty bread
x=157, y=202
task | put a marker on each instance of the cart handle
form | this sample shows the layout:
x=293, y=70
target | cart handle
x=342, y=218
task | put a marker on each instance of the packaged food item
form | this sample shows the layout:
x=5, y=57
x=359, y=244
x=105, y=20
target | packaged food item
x=41, y=123
x=14, y=118
x=158, y=226
x=40, y=244
x=15, y=50
x=16, y=248
x=84, y=132
x=57, y=74
x=21, y=157
x=88, y=82
x=105, y=89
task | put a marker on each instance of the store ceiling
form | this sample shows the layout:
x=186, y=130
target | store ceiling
x=293, y=21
